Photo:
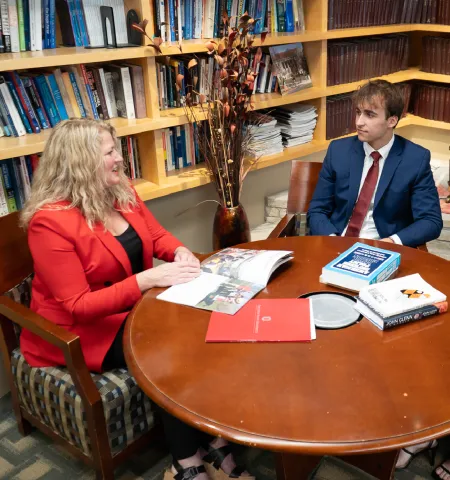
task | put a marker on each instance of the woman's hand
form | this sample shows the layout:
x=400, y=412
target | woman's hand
x=168, y=274
x=182, y=254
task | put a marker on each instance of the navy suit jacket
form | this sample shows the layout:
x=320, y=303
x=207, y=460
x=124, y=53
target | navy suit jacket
x=406, y=201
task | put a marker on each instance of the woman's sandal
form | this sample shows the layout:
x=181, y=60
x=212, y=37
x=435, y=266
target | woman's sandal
x=436, y=475
x=430, y=449
x=188, y=473
x=213, y=464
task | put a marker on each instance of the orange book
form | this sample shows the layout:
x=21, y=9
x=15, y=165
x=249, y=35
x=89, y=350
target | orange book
x=265, y=320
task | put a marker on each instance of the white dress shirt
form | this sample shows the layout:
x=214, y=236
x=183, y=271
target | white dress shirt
x=368, y=229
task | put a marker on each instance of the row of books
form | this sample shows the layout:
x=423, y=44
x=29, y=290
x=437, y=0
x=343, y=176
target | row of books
x=16, y=174
x=353, y=60
x=341, y=112
x=175, y=20
x=367, y=13
x=384, y=301
x=31, y=24
x=431, y=101
x=436, y=54
x=37, y=100
x=180, y=147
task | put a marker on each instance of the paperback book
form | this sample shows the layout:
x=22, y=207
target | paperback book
x=265, y=320
x=229, y=279
x=359, y=266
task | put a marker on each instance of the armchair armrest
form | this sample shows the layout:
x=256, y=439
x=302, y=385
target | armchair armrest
x=285, y=227
x=68, y=342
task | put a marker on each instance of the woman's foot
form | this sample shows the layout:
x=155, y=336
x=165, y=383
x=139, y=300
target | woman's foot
x=407, y=454
x=191, y=468
x=220, y=457
x=443, y=471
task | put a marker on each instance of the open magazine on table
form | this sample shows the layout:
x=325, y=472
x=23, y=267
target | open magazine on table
x=229, y=279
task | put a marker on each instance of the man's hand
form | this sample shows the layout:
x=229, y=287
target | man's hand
x=182, y=254
x=388, y=240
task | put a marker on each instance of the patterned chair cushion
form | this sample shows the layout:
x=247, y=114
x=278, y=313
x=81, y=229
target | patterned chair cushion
x=48, y=393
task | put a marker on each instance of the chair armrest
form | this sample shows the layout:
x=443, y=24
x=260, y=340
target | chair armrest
x=285, y=227
x=423, y=247
x=68, y=342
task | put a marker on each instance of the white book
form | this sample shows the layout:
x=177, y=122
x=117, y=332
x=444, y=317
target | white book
x=179, y=20
x=198, y=17
x=170, y=162
x=5, y=19
x=110, y=90
x=400, y=295
x=13, y=26
x=15, y=117
x=128, y=92
x=210, y=10
x=120, y=22
x=39, y=22
x=106, y=93
x=3, y=203
x=162, y=18
x=187, y=134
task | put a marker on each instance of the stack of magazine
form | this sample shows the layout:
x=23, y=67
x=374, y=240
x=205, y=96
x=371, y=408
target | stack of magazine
x=400, y=301
x=297, y=123
x=265, y=135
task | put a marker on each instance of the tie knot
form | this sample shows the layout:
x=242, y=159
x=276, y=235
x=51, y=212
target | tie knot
x=375, y=155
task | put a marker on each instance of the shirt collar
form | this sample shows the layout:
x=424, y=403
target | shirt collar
x=384, y=151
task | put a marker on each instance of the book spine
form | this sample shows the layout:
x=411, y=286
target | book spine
x=23, y=170
x=128, y=92
x=64, y=93
x=89, y=92
x=391, y=267
x=76, y=91
x=104, y=88
x=14, y=26
x=19, y=107
x=26, y=24
x=10, y=199
x=57, y=97
x=5, y=25
x=14, y=172
x=3, y=200
x=12, y=114
x=414, y=315
x=20, y=19
x=36, y=102
x=47, y=100
x=94, y=84
x=111, y=94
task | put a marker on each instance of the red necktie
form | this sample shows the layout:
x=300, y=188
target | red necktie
x=365, y=196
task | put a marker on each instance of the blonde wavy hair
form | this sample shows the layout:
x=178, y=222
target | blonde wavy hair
x=72, y=169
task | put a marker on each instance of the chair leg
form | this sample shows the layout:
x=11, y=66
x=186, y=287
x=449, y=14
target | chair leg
x=104, y=468
x=24, y=426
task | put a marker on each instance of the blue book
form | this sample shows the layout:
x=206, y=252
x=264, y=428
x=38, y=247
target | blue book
x=26, y=24
x=16, y=182
x=35, y=103
x=77, y=94
x=46, y=27
x=52, y=13
x=57, y=97
x=10, y=199
x=19, y=107
x=173, y=140
x=6, y=118
x=47, y=100
x=183, y=145
x=81, y=23
x=359, y=266
x=172, y=25
x=74, y=21
x=289, y=14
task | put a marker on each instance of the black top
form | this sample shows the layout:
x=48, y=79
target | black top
x=132, y=244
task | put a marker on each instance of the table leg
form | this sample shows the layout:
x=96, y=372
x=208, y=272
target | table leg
x=380, y=465
x=295, y=467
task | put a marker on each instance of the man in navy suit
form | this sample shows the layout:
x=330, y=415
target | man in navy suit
x=377, y=185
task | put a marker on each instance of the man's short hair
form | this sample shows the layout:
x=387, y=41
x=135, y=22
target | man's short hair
x=389, y=94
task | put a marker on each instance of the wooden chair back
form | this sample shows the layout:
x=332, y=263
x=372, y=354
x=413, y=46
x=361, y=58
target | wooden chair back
x=302, y=183
x=15, y=258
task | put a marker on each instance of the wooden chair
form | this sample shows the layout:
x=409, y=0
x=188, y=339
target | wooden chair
x=302, y=183
x=100, y=418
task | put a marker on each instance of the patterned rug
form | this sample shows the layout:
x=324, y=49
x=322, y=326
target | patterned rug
x=37, y=457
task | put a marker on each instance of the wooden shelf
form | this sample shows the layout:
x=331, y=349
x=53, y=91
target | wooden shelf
x=363, y=31
x=68, y=56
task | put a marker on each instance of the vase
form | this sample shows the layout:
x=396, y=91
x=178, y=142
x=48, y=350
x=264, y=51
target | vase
x=230, y=227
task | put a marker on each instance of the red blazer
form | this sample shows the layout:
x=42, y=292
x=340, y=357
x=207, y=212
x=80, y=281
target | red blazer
x=83, y=279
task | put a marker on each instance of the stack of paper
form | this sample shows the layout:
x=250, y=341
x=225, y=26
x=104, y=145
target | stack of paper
x=297, y=123
x=265, y=135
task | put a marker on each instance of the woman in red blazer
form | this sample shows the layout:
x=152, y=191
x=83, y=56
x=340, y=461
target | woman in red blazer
x=93, y=241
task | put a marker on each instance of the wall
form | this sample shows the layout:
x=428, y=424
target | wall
x=194, y=228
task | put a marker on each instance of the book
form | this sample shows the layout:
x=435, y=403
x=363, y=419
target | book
x=290, y=66
x=228, y=280
x=265, y=320
x=359, y=266
x=400, y=318
x=400, y=295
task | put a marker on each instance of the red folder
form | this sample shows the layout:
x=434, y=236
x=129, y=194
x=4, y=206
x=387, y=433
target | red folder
x=265, y=320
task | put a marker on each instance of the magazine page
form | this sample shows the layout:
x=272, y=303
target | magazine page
x=254, y=266
x=212, y=292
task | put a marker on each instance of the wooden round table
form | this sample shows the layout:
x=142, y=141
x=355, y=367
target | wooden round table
x=356, y=390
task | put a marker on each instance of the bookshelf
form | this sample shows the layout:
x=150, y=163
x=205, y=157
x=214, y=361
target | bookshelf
x=155, y=182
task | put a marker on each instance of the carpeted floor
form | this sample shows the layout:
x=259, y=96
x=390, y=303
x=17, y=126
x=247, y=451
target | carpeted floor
x=37, y=457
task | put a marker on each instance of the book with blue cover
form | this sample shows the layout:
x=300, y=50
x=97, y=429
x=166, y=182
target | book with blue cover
x=359, y=266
